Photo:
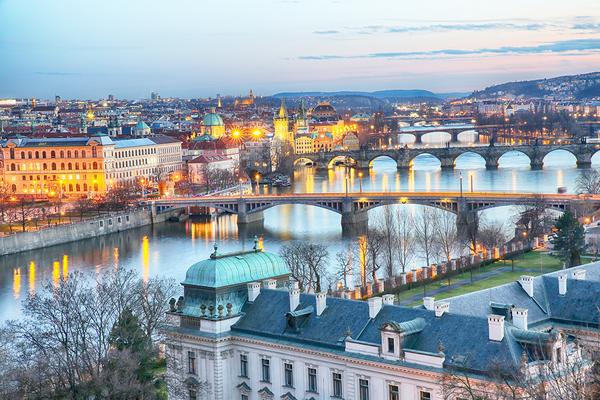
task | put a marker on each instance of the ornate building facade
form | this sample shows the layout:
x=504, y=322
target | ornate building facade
x=241, y=330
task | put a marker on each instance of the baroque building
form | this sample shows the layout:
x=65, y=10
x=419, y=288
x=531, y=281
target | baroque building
x=243, y=330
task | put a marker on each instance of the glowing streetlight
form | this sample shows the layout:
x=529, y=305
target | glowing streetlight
x=360, y=175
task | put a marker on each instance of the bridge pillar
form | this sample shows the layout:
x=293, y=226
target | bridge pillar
x=536, y=163
x=250, y=218
x=466, y=220
x=353, y=221
x=454, y=138
x=491, y=162
x=584, y=160
x=447, y=162
x=362, y=165
x=418, y=138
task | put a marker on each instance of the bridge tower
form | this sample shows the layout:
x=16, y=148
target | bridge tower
x=281, y=125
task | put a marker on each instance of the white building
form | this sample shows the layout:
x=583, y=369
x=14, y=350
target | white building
x=239, y=333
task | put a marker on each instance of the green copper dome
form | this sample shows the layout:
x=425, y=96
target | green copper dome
x=235, y=269
x=141, y=125
x=212, y=119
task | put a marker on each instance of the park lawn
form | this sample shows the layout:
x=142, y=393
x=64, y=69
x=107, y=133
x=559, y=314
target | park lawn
x=532, y=263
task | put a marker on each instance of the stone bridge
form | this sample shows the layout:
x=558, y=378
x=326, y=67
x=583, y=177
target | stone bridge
x=353, y=207
x=404, y=157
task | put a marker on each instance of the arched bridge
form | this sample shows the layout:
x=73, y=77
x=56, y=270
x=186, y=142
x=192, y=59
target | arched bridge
x=354, y=206
x=404, y=157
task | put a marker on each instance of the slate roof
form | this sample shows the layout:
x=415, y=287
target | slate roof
x=462, y=333
x=577, y=306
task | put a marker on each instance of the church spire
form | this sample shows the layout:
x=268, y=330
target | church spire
x=282, y=109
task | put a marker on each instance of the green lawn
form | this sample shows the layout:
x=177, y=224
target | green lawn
x=532, y=263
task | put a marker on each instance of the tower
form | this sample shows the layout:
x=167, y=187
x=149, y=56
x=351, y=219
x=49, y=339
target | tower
x=281, y=124
x=114, y=126
x=301, y=122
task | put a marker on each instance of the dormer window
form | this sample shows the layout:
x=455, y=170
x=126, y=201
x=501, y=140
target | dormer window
x=391, y=345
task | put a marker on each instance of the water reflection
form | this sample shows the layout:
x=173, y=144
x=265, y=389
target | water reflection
x=169, y=249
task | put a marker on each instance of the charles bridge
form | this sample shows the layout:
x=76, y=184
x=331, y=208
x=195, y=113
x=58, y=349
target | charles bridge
x=405, y=156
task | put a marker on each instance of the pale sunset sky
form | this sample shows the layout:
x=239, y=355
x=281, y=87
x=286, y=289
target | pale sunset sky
x=191, y=48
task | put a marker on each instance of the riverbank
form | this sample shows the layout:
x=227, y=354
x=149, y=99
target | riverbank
x=65, y=233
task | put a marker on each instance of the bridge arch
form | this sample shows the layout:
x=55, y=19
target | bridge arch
x=426, y=159
x=515, y=157
x=470, y=156
x=304, y=161
x=382, y=157
x=558, y=156
x=339, y=159
x=468, y=136
x=436, y=137
x=406, y=138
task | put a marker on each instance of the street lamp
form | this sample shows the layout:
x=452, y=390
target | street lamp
x=461, y=184
x=257, y=177
x=360, y=175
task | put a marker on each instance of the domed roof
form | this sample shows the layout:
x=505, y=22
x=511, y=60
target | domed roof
x=141, y=125
x=212, y=119
x=324, y=110
x=235, y=269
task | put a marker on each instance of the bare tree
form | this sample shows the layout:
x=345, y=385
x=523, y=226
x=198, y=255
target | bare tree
x=588, y=182
x=446, y=234
x=406, y=239
x=492, y=235
x=425, y=233
x=533, y=218
x=388, y=228
x=307, y=263
x=370, y=253
x=345, y=267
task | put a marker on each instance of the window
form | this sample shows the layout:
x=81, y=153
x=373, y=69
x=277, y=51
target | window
x=423, y=395
x=244, y=397
x=394, y=392
x=192, y=362
x=244, y=365
x=288, y=374
x=390, y=345
x=337, y=384
x=312, y=380
x=363, y=389
x=266, y=373
x=193, y=395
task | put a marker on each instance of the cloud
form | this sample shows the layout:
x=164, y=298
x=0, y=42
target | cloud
x=331, y=32
x=587, y=27
x=555, y=47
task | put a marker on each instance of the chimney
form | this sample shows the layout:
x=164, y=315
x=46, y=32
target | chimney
x=496, y=327
x=374, y=306
x=441, y=308
x=526, y=282
x=253, y=291
x=294, y=295
x=562, y=284
x=519, y=317
x=388, y=299
x=270, y=284
x=579, y=274
x=428, y=303
x=321, y=302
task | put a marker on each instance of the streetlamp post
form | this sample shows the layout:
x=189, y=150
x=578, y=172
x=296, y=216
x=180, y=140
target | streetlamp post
x=461, y=184
x=360, y=175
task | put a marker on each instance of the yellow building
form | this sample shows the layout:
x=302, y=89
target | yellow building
x=350, y=141
x=304, y=144
x=281, y=125
x=53, y=167
x=84, y=166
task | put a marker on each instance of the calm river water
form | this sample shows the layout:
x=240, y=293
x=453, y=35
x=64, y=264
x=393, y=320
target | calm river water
x=170, y=248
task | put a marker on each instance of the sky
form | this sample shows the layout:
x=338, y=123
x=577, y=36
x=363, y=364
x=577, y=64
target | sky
x=189, y=48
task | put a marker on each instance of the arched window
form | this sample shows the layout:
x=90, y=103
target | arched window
x=53, y=166
x=12, y=167
x=77, y=166
x=76, y=154
x=52, y=154
x=82, y=153
x=70, y=166
x=77, y=187
x=85, y=187
x=83, y=165
x=68, y=153
x=22, y=155
x=95, y=187
x=62, y=154
x=13, y=188
x=45, y=166
x=29, y=154
x=70, y=187
x=44, y=154
x=95, y=165
x=37, y=154
x=62, y=166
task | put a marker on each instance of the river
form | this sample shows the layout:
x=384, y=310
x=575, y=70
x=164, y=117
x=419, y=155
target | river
x=169, y=249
